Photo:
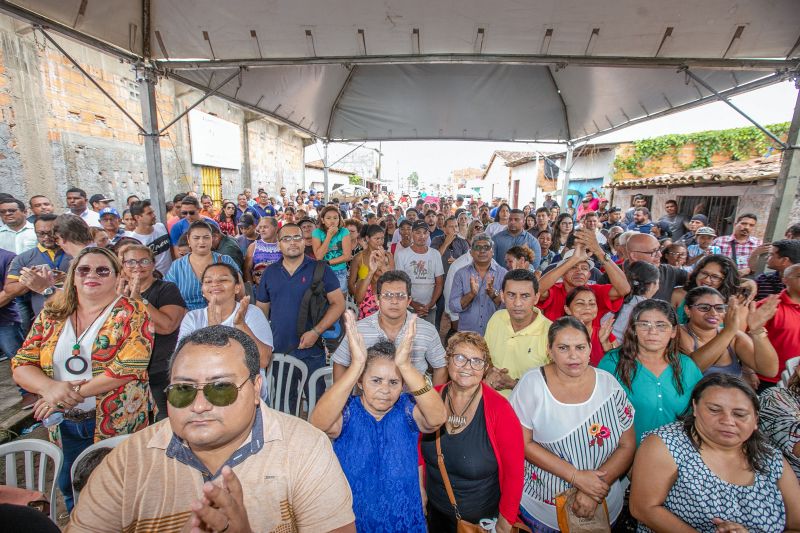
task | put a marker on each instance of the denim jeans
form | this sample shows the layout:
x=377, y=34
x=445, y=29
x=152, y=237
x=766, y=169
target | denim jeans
x=341, y=275
x=75, y=437
x=10, y=339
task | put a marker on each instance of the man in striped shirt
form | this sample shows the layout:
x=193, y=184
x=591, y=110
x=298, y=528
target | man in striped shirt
x=390, y=323
x=741, y=244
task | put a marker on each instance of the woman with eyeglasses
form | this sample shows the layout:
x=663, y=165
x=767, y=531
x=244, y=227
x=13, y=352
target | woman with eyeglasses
x=365, y=269
x=481, y=444
x=713, y=471
x=718, y=272
x=657, y=378
x=562, y=229
x=675, y=254
x=712, y=338
x=166, y=307
x=187, y=271
x=500, y=221
x=226, y=218
x=577, y=426
x=375, y=432
x=86, y=356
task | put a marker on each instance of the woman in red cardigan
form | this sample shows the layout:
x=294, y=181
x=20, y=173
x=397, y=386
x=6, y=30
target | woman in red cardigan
x=481, y=444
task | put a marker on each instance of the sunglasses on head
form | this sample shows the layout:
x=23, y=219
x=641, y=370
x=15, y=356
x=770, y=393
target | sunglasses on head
x=85, y=270
x=218, y=393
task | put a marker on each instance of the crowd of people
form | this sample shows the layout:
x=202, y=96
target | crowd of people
x=508, y=369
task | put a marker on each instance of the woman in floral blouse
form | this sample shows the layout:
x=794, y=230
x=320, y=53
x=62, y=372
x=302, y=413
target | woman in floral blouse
x=577, y=425
x=86, y=356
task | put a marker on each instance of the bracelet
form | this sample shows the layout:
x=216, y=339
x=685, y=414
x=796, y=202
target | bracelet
x=314, y=329
x=423, y=390
x=572, y=481
x=761, y=332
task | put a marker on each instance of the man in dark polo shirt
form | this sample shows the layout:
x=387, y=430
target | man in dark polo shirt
x=282, y=287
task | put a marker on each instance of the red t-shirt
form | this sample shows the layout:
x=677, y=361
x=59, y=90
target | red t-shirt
x=553, y=306
x=597, y=347
x=784, y=333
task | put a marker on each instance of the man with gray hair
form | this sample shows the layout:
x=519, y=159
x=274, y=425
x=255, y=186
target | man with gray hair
x=475, y=295
x=223, y=461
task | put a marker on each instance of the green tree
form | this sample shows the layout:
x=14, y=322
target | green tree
x=355, y=180
x=413, y=179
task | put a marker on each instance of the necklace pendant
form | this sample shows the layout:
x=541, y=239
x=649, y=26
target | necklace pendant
x=76, y=349
x=456, y=421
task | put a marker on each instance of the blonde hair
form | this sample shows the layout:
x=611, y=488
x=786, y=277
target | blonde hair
x=134, y=248
x=470, y=338
x=66, y=302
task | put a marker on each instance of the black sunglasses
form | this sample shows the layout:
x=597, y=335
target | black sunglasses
x=218, y=393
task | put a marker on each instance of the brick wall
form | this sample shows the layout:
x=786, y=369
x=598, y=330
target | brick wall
x=57, y=130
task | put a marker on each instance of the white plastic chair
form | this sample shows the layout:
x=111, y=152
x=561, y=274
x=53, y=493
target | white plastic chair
x=326, y=373
x=30, y=448
x=791, y=366
x=113, y=442
x=282, y=372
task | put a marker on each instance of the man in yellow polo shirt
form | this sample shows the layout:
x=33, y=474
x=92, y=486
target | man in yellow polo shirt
x=516, y=335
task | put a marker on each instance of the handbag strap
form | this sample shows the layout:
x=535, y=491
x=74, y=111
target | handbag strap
x=445, y=478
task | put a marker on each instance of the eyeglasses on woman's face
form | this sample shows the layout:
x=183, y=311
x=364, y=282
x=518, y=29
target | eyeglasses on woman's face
x=133, y=263
x=476, y=363
x=706, y=308
x=702, y=274
x=661, y=327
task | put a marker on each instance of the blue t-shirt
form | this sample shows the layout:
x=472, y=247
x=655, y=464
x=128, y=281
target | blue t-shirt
x=655, y=398
x=334, y=247
x=182, y=226
x=379, y=459
x=641, y=228
x=284, y=292
x=257, y=211
x=191, y=288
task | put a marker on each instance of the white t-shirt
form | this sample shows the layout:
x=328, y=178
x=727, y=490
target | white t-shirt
x=159, y=242
x=460, y=262
x=422, y=269
x=63, y=352
x=494, y=228
x=254, y=318
x=396, y=237
x=585, y=434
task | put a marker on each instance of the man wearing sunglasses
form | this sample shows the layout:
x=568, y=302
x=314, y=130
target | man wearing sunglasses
x=224, y=461
x=190, y=212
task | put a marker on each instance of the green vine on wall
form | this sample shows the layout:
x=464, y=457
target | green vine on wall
x=739, y=143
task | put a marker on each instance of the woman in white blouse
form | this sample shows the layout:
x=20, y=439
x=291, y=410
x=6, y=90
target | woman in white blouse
x=577, y=424
x=221, y=287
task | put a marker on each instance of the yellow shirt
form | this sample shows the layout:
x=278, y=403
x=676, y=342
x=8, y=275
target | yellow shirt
x=517, y=351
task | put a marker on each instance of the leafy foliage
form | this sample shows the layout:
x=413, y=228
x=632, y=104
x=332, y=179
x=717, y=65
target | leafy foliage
x=413, y=179
x=738, y=143
x=355, y=180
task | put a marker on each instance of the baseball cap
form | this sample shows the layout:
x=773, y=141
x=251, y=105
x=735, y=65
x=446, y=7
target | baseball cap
x=570, y=253
x=312, y=191
x=460, y=197
x=99, y=198
x=107, y=210
x=701, y=218
x=705, y=230
x=247, y=220
x=420, y=224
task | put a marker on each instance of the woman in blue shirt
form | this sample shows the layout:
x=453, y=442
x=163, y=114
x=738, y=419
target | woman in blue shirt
x=331, y=243
x=187, y=271
x=375, y=433
x=656, y=376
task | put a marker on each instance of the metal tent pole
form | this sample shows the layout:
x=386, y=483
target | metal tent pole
x=325, y=171
x=152, y=144
x=567, y=172
x=786, y=189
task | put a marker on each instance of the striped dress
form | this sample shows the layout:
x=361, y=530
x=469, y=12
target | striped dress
x=583, y=434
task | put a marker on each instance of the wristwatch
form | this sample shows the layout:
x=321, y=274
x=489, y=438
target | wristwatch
x=428, y=386
x=145, y=302
x=49, y=291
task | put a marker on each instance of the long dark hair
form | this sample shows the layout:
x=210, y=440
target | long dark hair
x=566, y=322
x=629, y=349
x=730, y=285
x=755, y=448
x=641, y=275
x=556, y=245
x=222, y=217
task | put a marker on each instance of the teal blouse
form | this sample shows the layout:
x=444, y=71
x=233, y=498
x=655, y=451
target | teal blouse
x=655, y=398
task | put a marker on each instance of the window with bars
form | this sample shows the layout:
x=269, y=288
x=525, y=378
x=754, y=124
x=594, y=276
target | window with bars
x=720, y=210
x=212, y=184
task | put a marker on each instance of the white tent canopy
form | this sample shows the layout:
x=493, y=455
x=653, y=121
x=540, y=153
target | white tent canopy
x=537, y=70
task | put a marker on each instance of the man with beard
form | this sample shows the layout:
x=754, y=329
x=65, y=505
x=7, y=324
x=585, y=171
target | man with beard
x=741, y=244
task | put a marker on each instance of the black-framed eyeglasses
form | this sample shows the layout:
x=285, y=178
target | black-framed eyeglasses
x=46, y=233
x=218, y=393
x=651, y=253
x=476, y=363
x=705, y=308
